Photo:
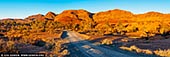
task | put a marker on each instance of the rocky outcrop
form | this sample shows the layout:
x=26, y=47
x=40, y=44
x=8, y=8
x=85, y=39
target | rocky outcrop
x=149, y=14
x=50, y=15
x=38, y=17
x=73, y=16
x=112, y=16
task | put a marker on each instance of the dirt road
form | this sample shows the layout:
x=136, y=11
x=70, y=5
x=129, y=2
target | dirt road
x=83, y=48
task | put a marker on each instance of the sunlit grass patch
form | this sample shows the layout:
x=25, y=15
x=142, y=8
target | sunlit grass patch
x=136, y=49
x=165, y=53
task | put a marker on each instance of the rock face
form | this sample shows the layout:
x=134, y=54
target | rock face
x=38, y=17
x=73, y=16
x=50, y=15
x=112, y=16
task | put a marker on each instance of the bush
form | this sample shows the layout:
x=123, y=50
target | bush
x=136, y=49
x=164, y=53
x=60, y=49
x=7, y=47
x=107, y=42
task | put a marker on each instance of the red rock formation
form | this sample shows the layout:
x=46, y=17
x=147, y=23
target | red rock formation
x=73, y=16
x=112, y=16
x=151, y=16
x=38, y=17
x=50, y=15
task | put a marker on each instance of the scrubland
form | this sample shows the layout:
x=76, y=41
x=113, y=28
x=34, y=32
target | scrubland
x=43, y=31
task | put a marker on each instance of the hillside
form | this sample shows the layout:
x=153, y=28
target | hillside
x=44, y=31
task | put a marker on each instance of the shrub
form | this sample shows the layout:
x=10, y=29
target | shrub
x=7, y=47
x=107, y=42
x=60, y=49
x=164, y=53
x=136, y=49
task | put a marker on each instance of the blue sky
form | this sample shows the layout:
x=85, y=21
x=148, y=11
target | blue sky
x=24, y=8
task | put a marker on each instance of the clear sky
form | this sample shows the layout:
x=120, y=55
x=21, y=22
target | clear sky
x=24, y=8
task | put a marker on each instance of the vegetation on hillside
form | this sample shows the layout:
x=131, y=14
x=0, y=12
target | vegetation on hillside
x=40, y=28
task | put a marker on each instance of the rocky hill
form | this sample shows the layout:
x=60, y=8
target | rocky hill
x=74, y=16
x=38, y=17
x=50, y=15
x=110, y=16
x=40, y=33
x=113, y=16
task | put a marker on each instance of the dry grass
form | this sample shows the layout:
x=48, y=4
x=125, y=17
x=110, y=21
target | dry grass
x=48, y=43
x=60, y=49
x=164, y=53
x=7, y=47
x=125, y=48
x=136, y=49
x=127, y=40
x=107, y=42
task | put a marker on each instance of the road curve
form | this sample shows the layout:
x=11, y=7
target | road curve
x=91, y=50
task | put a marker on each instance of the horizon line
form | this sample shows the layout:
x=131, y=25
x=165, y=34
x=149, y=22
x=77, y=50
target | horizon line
x=87, y=11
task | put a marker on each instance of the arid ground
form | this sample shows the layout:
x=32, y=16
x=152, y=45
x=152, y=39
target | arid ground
x=79, y=33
